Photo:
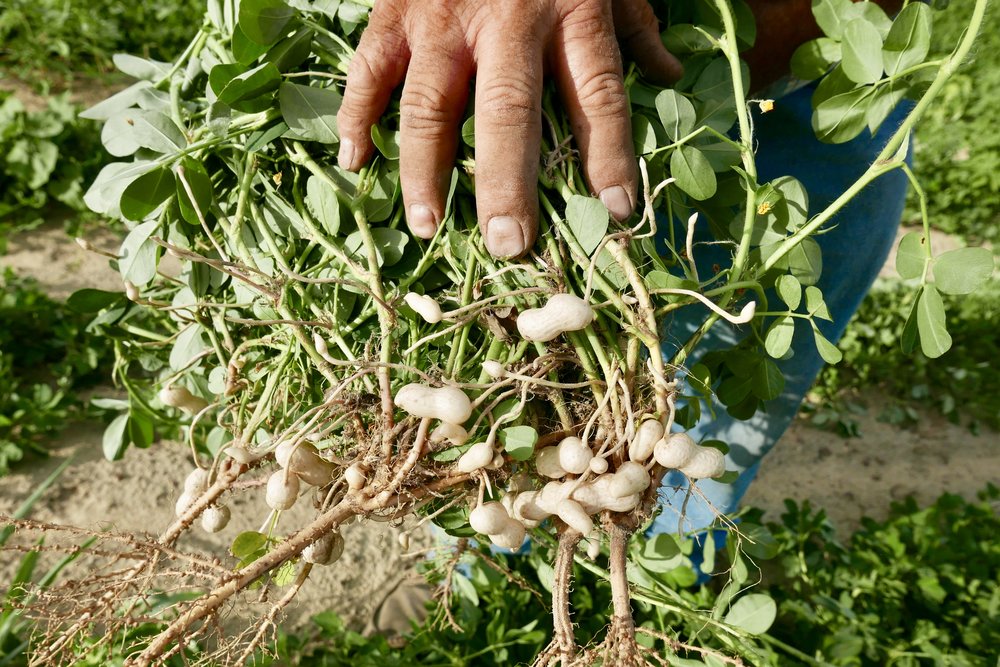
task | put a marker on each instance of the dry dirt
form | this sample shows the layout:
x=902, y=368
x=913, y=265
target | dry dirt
x=849, y=477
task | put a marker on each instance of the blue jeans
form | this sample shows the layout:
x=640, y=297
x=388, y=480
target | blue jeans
x=853, y=253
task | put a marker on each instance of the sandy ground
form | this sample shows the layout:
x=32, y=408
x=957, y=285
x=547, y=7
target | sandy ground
x=848, y=477
x=137, y=494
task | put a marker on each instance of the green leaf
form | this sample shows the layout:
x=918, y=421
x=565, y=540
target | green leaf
x=105, y=193
x=140, y=430
x=814, y=58
x=882, y=103
x=454, y=520
x=137, y=256
x=758, y=542
x=387, y=142
x=693, y=173
x=248, y=543
x=834, y=83
x=789, y=290
x=676, y=112
x=290, y=52
x=870, y=12
x=908, y=339
x=720, y=154
x=141, y=68
x=716, y=80
x=469, y=131
x=265, y=21
x=718, y=113
x=685, y=38
x=242, y=89
x=519, y=441
x=465, y=589
x=321, y=199
x=610, y=269
x=934, y=337
x=284, y=574
x=911, y=256
x=664, y=280
x=752, y=613
x=588, y=219
x=962, y=271
x=263, y=138
x=734, y=390
x=829, y=15
x=188, y=345
x=32, y=161
x=768, y=382
x=827, y=350
x=779, y=337
x=145, y=194
x=661, y=553
x=114, y=442
x=708, y=553
x=806, y=261
x=389, y=245
x=128, y=131
x=815, y=305
x=117, y=103
x=862, y=52
x=792, y=211
x=643, y=135
x=909, y=39
x=91, y=300
x=842, y=117
x=311, y=113
x=244, y=49
x=200, y=184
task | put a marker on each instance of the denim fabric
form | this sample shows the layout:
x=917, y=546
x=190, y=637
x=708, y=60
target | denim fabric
x=853, y=252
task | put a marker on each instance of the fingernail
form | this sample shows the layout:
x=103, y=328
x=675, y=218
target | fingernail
x=347, y=154
x=617, y=202
x=504, y=237
x=422, y=221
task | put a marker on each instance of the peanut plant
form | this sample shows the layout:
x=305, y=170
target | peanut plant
x=312, y=350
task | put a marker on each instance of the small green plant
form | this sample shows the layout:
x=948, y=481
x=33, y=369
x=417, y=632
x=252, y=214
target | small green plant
x=64, y=35
x=27, y=581
x=956, y=150
x=45, y=357
x=46, y=158
x=921, y=588
x=963, y=383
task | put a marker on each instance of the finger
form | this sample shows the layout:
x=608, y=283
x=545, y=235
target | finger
x=639, y=34
x=587, y=67
x=508, y=135
x=431, y=109
x=378, y=66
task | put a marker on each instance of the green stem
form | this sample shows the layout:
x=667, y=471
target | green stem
x=728, y=44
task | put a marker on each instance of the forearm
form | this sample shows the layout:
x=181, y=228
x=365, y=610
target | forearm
x=782, y=26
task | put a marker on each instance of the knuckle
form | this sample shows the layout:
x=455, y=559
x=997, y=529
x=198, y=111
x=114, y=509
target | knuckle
x=510, y=101
x=424, y=108
x=362, y=77
x=603, y=94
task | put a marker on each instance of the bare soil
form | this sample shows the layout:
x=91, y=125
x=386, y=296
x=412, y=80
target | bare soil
x=850, y=478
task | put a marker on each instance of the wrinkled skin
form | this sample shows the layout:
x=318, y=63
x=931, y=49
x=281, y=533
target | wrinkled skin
x=509, y=45
x=437, y=46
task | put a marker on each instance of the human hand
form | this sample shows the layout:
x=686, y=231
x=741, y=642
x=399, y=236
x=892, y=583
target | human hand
x=437, y=46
